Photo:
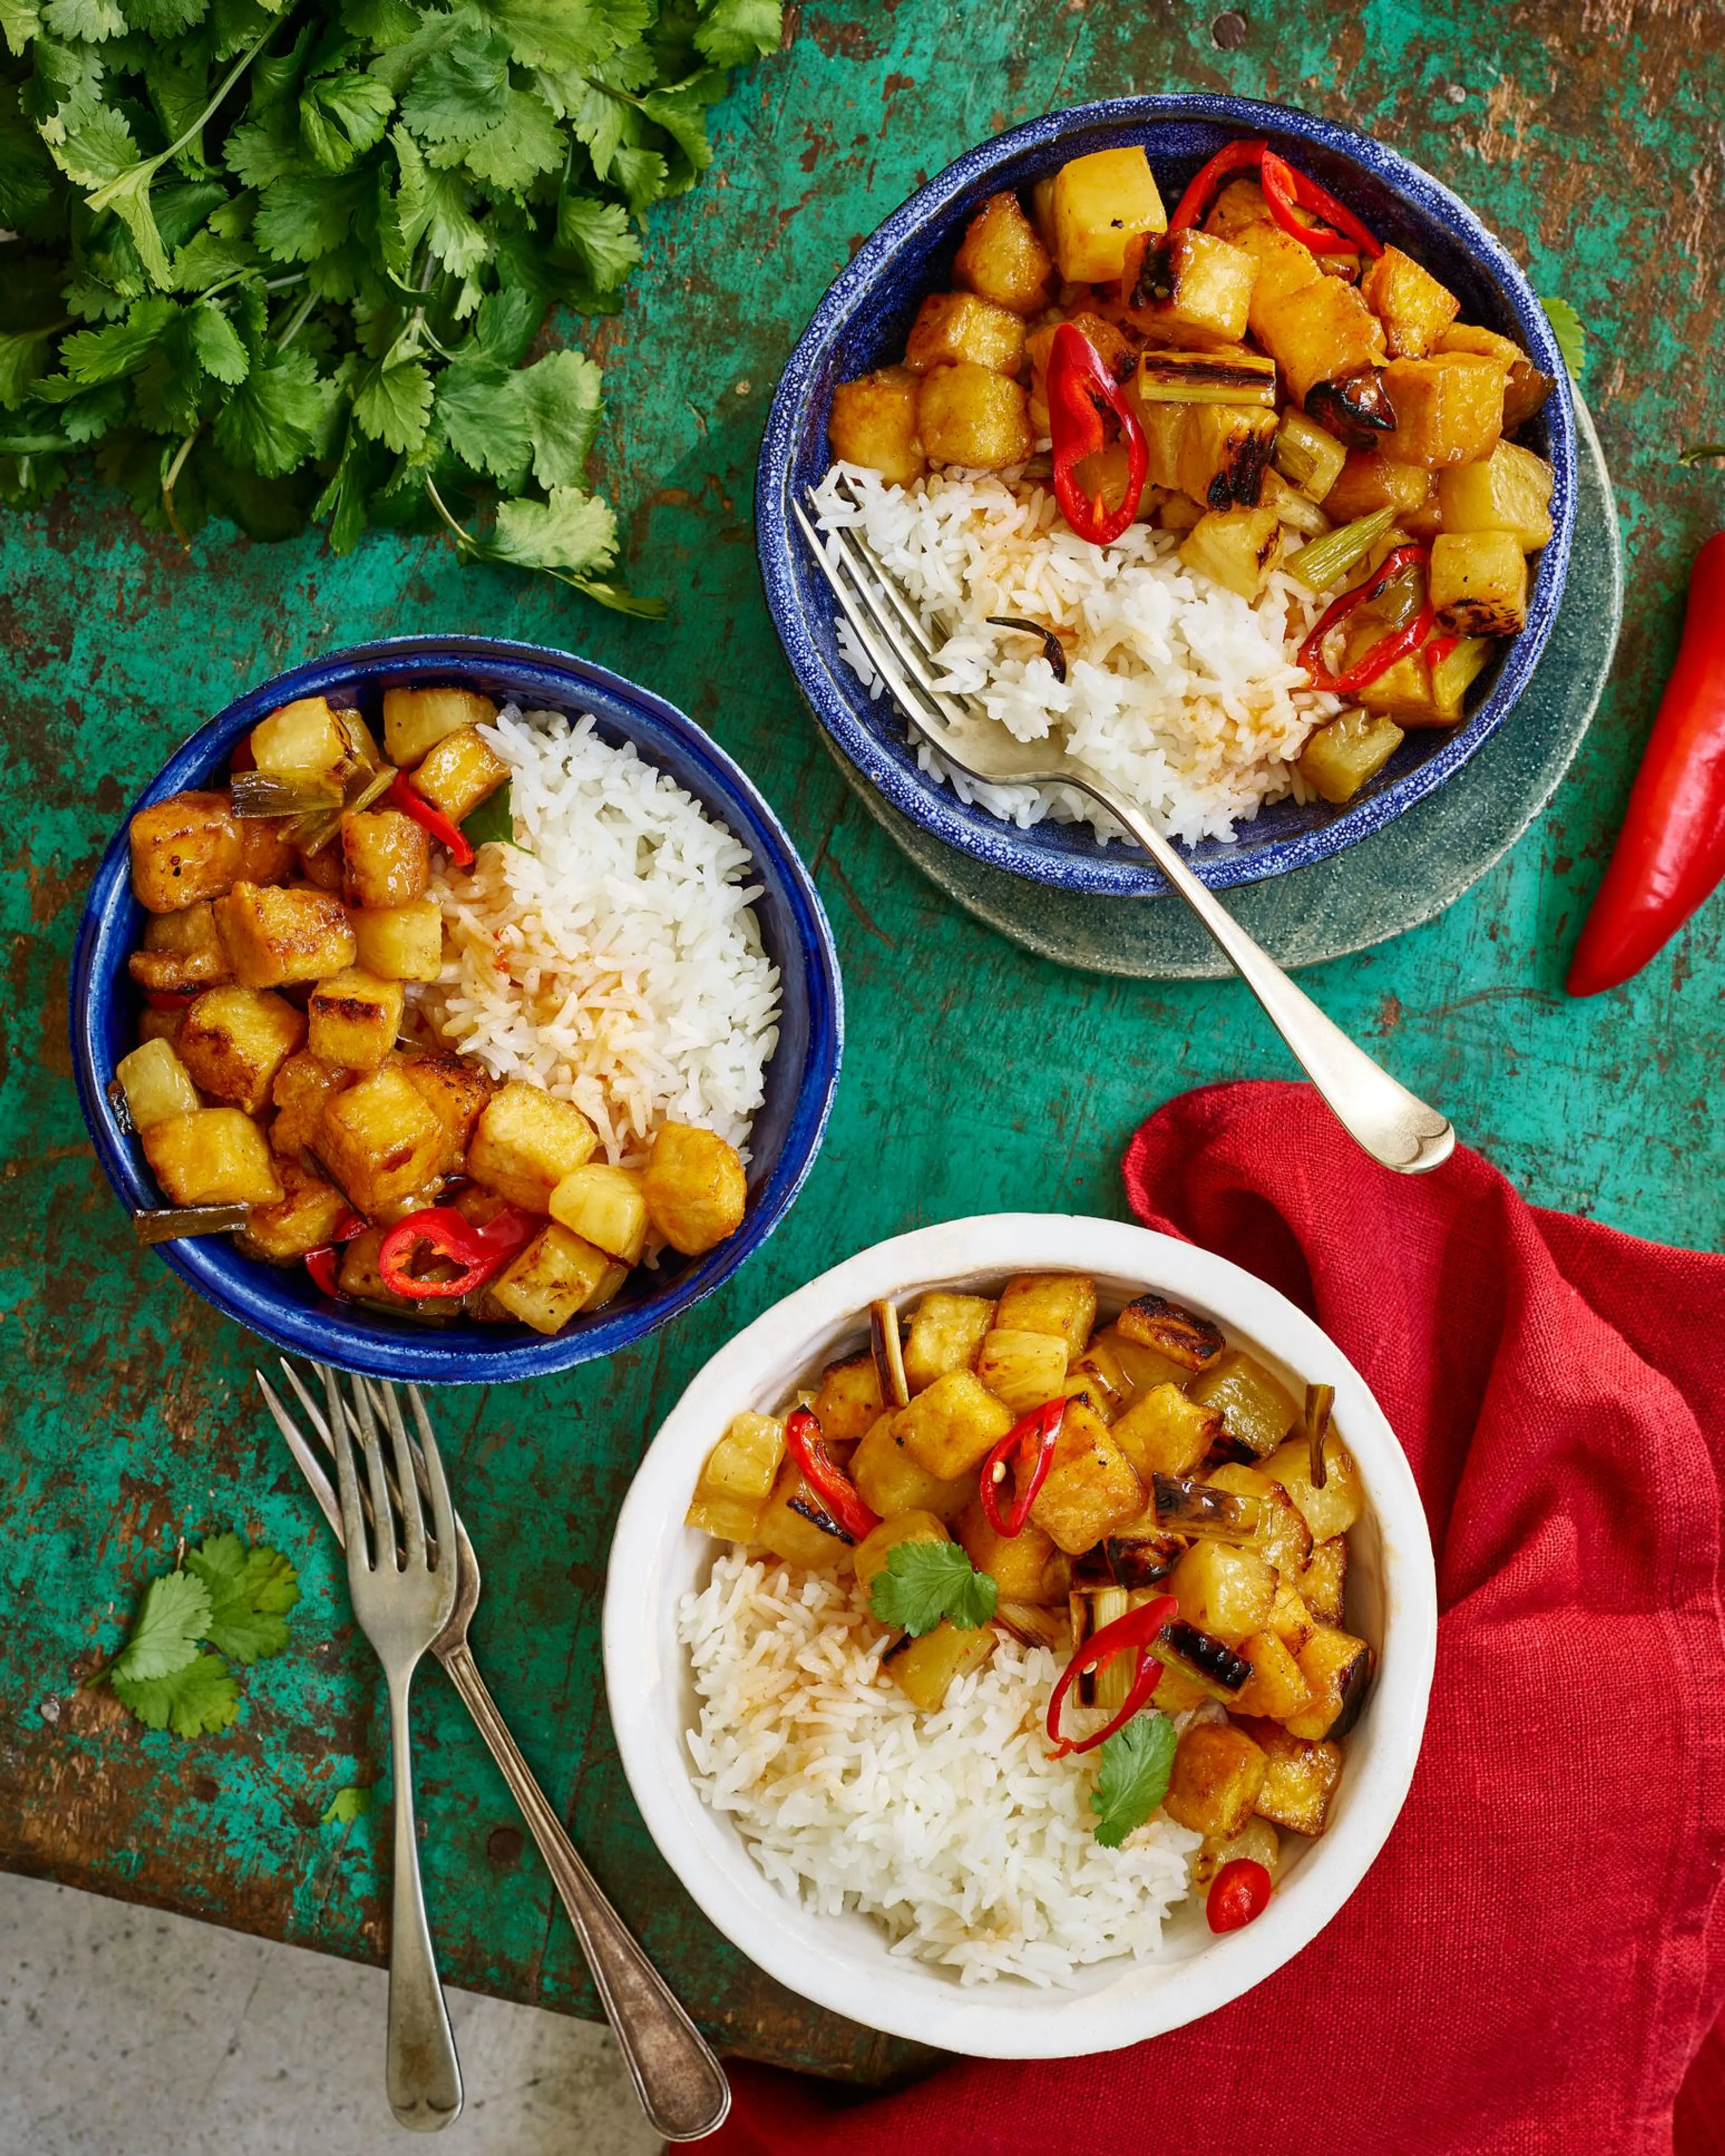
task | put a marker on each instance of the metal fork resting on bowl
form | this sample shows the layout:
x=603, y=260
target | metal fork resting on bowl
x=1380, y=1114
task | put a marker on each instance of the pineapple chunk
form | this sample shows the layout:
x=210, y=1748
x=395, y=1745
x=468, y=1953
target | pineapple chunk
x=1164, y=1433
x=1299, y=1781
x=1063, y=1304
x=1337, y=1669
x=1257, y=1841
x=234, y=1040
x=1026, y=1566
x=1368, y=480
x=1100, y=203
x=926, y=1670
x=1217, y=453
x=948, y=1427
x=873, y=423
x=1254, y=1405
x=1241, y=203
x=1224, y=1590
x=1089, y=1486
x=730, y=1519
x=695, y=1187
x=302, y=1085
x=525, y=1142
x=604, y=1205
x=1022, y=1369
x=416, y=720
x=945, y=1332
x=1284, y=267
x=1179, y=1336
x=850, y=1402
x=1289, y=1619
x=556, y=1277
x=968, y=415
x=274, y=936
x=456, y=1092
x=1216, y=1777
x=1144, y=1363
x=211, y=1157
x=1509, y=491
x=1322, y=331
x=738, y=1479
x=1323, y=1581
x=1332, y=1510
x=1237, y=547
x=1277, y=1687
x=1187, y=288
x=304, y=1217
x=789, y=1523
x=387, y=857
x=1526, y=388
x=889, y=1480
x=304, y=740
x=184, y=849
x=379, y=1140
x=1002, y=258
x=874, y=1551
x=1449, y=409
x=400, y=943
x=1479, y=583
x=157, y=1084
x=355, y=1018
x=1283, y=1539
x=951, y=327
x=180, y=950
x=463, y=770
x=1413, y=308
x=1341, y=756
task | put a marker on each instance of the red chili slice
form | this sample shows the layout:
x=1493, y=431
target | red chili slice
x=1029, y=1446
x=824, y=1474
x=1132, y=1633
x=1080, y=388
x=408, y=798
x=480, y=1251
x=1285, y=187
x=320, y=1264
x=1387, y=650
x=1206, y=184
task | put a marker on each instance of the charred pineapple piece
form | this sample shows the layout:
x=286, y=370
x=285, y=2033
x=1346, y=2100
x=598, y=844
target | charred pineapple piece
x=1226, y=1591
x=211, y=1157
x=400, y=943
x=1341, y=756
x=795, y=1525
x=926, y=1670
x=456, y=1092
x=1061, y=1304
x=970, y=416
x=387, y=857
x=234, y=1040
x=379, y=1140
x=157, y=1084
x=1187, y=288
x=1216, y=1777
x=876, y=1548
x=180, y=950
x=1276, y=1687
x=304, y=1217
x=1098, y=204
x=1323, y=1583
x=1289, y=1619
x=463, y=770
x=302, y=1087
x=1026, y=1566
x=1413, y=308
x=1022, y=1369
x=604, y=1205
x=695, y=1187
x=1510, y=491
x=1164, y=1433
x=1179, y=1335
x=1237, y=547
x=873, y=423
x=1299, y=1781
x=1282, y=1538
x=1322, y=331
x=1254, y=1405
x=889, y=1479
x=1449, y=409
x=1256, y=1842
x=949, y=1425
x=945, y=1332
x=1479, y=583
x=1332, y=1510
x=1089, y=1486
x=951, y=327
x=416, y=720
x=525, y=1142
x=848, y=1403
x=274, y=936
x=184, y=849
x=1002, y=258
x=554, y=1278
x=1338, y=1669
x=354, y=1018
x=305, y=740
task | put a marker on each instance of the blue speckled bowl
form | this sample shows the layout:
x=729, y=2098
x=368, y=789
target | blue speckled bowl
x=281, y=1302
x=862, y=323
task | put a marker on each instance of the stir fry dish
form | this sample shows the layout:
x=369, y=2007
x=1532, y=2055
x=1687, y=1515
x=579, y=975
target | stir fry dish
x=1258, y=373
x=284, y=1070
x=1145, y=1500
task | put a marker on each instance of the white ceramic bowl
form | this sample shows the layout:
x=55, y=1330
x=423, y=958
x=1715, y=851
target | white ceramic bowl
x=843, y=1963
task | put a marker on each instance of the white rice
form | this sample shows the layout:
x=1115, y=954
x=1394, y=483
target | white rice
x=609, y=955
x=955, y=1830
x=1184, y=696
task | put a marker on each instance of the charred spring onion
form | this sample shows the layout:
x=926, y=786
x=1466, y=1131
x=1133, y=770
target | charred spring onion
x=1320, y=564
x=888, y=1347
x=1203, y=377
x=1306, y=456
x=1319, y=1401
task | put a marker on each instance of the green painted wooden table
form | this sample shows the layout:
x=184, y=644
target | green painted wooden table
x=979, y=1077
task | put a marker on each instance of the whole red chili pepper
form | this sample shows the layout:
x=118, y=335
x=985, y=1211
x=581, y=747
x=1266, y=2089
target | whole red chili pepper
x=1206, y=183
x=1285, y=187
x=1080, y=388
x=481, y=1250
x=824, y=1474
x=1029, y=1444
x=408, y=798
x=1387, y=650
x=1133, y=1632
x=1239, y=1891
x=1670, y=851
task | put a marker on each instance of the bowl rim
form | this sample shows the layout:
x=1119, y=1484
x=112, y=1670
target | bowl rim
x=240, y=1289
x=837, y=702
x=644, y=1669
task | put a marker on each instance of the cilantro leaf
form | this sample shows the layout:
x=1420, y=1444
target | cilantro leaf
x=345, y=1806
x=217, y=344
x=480, y=403
x=341, y=116
x=23, y=359
x=554, y=34
x=598, y=234
x=171, y=1620
x=195, y=1701
x=393, y=403
x=272, y=423
x=250, y=1593
x=492, y=822
x=460, y=91
x=923, y=1582
x=1569, y=330
x=560, y=407
x=573, y=531
x=731, y=32
x=1132, y=1777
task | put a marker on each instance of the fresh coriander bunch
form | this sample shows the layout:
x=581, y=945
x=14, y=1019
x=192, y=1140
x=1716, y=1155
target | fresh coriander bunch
x=275, y=261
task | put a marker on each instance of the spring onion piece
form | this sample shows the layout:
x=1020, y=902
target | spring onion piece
x=1205, y=377
x=1053, y=650
x=1319, y=1401
x=1306, y=456
x=1292, y=507
x=1454, y=674
x=889, y=1352
x=1109, y=1684
x=1203, y=1653
x=1321, y=563
x=271, y=793
x=1032, y=1625
x=363, y=788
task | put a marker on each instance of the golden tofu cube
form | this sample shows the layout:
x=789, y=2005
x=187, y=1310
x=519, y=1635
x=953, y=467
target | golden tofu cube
x=874, y=1553
x=1164, y=1433
x=304, y=740
x=945, y=1332
x=1254, y=1405
x=1337, y=1668
x=302, y=1087
x=948, y=1427
x=1276, y=1687
x=275, y=936
x=379, y=1140
x=180, y=950
x=354, y=1018
x=850, y=1402
x=1322, y=331
x=1449, y=409
x=1332, y=1510
x=234, y=1040
x=889, y=1479
x=211, y=1157
x=1217, y=1775
x=968, y=415
x=1283, y=1539
x=1413, y=308
x=1510, y=491
x=1022, y=1369
x=267, y=854
x=1340, y=756
x=925, y=1669
x=604, y=1205
x=185, y=850
x=873, y=423
x=387, y=857
x=1224, y=1590
x=322, y=868
x=1099, y=203
x=695, y=1187
x=1479, y=583
x=745, y=1461
x=1299, y=1781
x=951, y=327
x=1188, y=289
x=791, y=1527
x=1368, y=480
x=157, y=1084
x=416, y=720
x=304, y=1217
x=1063, y=1304
x=1026, y=1566
x=1089, y=1486
x=551, y=1280
x=1323, y=1583
x=463, y=770
x=1407, y=691
x=1237, y=547
x=1283, y=265
x=525, y=1142
x=456, y=1092
x=400, y=943
x=1002, y=258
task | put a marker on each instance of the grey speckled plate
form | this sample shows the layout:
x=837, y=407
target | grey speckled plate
x=1384, y=884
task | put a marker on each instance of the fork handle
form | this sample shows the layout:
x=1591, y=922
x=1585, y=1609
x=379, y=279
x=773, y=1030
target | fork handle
x=680, y=2083
x=1380, y=1114
x=421, y=2071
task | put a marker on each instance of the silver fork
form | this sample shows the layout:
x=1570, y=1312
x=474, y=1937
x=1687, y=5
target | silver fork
x=1380, y=1114
x=680, y=2084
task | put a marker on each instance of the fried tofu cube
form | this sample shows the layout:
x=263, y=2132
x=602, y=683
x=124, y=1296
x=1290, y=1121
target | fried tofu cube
x=304, y=1217
x=1089, y=1486
x=1510, y=491
x=180, y=950
x=604, y=1205
x=951, y=327
x=1276, y=1687
x=890, y=1480
x=463, y=770
x=1338, y=1669
x=1283, y=265
x=456, y=1092
x=1323, y=1582
x=1526, y=388
x=379, y=1140
x=1254, y=1405
x=873, y=423
x=1479, y=583
x=1187, y=290
x=1026, y=1566
x=305, y=739
x=525, y=1142
x=946, y=1332
x=1322, y=331
x=1413, y=308
x=184, y=849
x=211, y=1157
x=157, y=1084
x=925, y=1669
x=1237, y=547
x=968, y=415
x=1022, y=1369
x=355, y=1018
x=1217, y=1775
x=1224, y=1590
x=1001, y=257
x=267, y=854
x=1299, y=1781
x=400, y=943
x=1063, y=1304
x=1164, y=1433
x=416, y=720
x=848, y=1403
x=1341, y=756
x=1098, y=204
x=1449, y=409
x=949, y=1425
x=1283, y=1539
x=1332, y=1510
x=791, y=1523
x=234, y=1040
x=551, y=1280
x=302, y=1085
x=695, y=1187
x=386, y=856
x=275, y=936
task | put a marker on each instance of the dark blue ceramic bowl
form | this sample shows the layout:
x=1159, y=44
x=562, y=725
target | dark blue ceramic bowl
x=281, y=1302
x=862, y=323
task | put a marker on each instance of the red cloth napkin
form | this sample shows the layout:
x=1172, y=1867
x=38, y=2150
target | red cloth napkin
x=1537, y=1961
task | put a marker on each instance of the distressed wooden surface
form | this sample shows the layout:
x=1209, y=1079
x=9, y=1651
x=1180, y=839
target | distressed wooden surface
x=977, y=1077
